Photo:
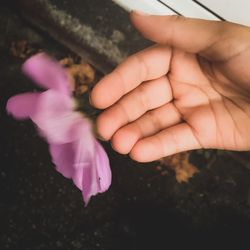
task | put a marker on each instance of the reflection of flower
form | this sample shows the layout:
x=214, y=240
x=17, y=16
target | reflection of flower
x=74, y=150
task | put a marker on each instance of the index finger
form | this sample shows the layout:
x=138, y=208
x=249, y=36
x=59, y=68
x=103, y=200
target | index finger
x=145, y=65
x=213, y=39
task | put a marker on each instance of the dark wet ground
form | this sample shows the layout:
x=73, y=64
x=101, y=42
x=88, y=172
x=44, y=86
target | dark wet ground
x=39, y=209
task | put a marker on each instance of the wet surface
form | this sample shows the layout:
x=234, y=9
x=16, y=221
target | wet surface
x=144, y=209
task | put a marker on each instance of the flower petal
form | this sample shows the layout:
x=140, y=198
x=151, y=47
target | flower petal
x=73, y=148
x=56, y=120
x=22, y=106
x=63, y=156
x=103, y=167
x=76, y=160
x=85, y=172
x=96, y=174
x=47, y=73
x=90, y=185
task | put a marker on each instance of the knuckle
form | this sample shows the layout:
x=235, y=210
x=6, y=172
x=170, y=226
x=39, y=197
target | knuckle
x=152, y=114
x=143, y=97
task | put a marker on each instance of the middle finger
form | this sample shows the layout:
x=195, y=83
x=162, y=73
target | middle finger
x=147, y=96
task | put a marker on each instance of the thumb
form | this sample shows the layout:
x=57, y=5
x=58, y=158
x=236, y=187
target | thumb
x=210, y=38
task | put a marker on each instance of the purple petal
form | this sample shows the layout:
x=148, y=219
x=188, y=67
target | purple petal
x=96, y=174
x=47, y=73
x=22, y=106
x=56, y=120
x=90, y=185
x=85, y=175
x=103, y=167
x=78, y=160
x=63, y=156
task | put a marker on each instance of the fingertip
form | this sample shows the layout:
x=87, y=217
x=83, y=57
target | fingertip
x=95, y=98
x=139, y=13
x=106, y=92
x=142, y=152
x=136, y=14
x=102, y=95
x=150, y=26
x=102, y=128
x=123, y=141
x=118, y=145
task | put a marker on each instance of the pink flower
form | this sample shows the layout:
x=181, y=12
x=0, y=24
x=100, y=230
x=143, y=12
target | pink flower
x=73, y=148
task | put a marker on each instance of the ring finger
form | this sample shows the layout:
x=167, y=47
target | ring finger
x=149, y=124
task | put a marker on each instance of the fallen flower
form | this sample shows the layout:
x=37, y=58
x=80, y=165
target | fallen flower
x=73, y=147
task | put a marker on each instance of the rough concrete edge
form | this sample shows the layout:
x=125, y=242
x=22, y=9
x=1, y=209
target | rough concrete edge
x=99, y=51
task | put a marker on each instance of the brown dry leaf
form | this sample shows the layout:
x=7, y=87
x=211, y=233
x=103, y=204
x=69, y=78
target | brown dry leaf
x=184, y=170
x=21, y=49
x=81, y=74
x=66, y=62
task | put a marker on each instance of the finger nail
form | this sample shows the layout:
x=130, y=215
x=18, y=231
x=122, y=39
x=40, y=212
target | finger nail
x=97, y=135
x=90, y=101
x=140, y=13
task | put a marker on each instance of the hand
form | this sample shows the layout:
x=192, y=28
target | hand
x=189, y=91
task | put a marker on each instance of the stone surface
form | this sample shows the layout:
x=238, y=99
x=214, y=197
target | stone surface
x=98, y=30
x=41, y=210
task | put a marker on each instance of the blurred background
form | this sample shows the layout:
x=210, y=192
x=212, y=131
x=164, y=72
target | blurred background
x=197, y=200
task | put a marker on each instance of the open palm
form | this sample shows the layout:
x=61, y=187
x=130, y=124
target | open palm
x=185, y=93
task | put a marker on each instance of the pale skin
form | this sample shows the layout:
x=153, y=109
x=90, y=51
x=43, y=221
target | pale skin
x=189, y=91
